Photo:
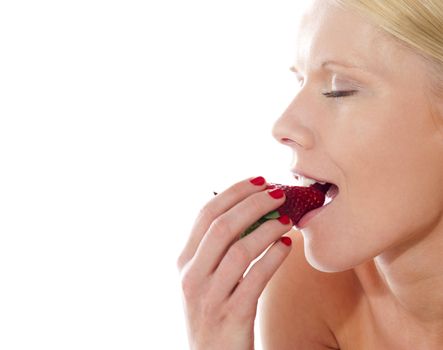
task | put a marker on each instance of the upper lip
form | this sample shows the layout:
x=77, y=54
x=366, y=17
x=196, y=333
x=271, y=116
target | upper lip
x=297, y=173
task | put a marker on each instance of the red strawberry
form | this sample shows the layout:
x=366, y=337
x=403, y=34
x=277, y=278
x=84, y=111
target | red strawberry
x=299, y=200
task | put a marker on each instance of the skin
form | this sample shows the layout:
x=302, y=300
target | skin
x=385, y=134
x=383, y=148
x=220, y=305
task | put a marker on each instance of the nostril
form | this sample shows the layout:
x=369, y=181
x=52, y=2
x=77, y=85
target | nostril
x=290, y=142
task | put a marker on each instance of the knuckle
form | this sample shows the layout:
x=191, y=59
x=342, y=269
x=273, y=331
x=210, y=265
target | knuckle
x=188, y=285
x=257, y=279
x=232, y=309
x=239, y=254
x=210, y=310
x=256, y=202
x=207, y=211
x=220, y=226
x=180, y=262
x=240, y=312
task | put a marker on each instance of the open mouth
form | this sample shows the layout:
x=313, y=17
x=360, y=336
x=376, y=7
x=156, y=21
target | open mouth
x=329, y=189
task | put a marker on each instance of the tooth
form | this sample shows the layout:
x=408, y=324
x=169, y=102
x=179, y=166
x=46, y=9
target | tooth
x=306, y=182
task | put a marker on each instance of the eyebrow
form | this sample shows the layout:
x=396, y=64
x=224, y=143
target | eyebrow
x=327, y=63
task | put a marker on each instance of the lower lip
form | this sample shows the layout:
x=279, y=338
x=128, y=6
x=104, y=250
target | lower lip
x=304, y=221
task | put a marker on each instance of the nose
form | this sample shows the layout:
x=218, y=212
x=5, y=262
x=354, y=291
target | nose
x=291, y=130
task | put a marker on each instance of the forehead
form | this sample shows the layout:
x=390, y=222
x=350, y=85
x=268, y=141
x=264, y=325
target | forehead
x=329, y=32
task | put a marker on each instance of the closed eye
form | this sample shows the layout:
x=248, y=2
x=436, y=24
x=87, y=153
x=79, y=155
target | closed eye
x=339, y=93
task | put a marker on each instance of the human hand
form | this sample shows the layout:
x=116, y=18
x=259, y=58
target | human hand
x=220, y=302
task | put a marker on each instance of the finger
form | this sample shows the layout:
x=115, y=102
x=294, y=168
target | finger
x=246, y=295
x=227, y=228
x=240, y=255
x=213, y=209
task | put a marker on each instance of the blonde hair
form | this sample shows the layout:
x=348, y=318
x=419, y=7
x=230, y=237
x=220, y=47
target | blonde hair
x=416, y=24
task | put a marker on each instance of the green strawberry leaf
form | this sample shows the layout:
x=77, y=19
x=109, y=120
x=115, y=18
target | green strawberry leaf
x=269, y=216
x=272, y=215
x=251, y=228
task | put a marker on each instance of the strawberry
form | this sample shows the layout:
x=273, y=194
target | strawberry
x=299, y=200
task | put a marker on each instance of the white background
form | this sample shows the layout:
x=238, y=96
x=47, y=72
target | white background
x=117, y=121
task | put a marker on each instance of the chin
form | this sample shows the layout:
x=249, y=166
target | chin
x=325, y=265
x=326, y=256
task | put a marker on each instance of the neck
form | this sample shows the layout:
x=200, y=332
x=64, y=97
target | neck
x=414, y=278
x=410, y=278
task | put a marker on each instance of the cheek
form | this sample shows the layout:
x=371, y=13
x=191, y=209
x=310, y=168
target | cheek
x=394, y=158
x=384, y=146
x=393, y=184
x=392, y=177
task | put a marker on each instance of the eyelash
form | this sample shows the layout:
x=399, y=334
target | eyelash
x=337, y=94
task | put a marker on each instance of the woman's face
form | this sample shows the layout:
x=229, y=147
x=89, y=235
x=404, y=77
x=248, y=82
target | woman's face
x=382, y=145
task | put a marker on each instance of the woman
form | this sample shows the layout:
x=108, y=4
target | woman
x=365, y=272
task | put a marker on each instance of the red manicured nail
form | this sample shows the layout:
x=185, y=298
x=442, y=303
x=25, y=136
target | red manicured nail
x=284, y=219
x=277, y=193
x=258, y=181
x=286, y=240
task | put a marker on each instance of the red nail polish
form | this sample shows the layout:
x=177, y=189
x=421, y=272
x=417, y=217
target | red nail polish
x=284, y=219
x=286, y=240
x=258, y=181
x=277, y=193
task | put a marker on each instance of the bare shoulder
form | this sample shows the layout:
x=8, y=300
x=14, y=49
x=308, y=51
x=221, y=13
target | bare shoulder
x=301, y=306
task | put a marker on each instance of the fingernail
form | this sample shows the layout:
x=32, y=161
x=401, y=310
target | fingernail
x=258, y=181
x=284, y=219
x=286, y=240
x=277, y=193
